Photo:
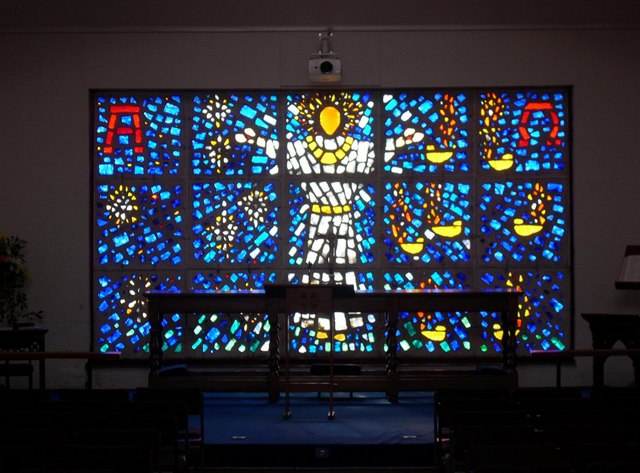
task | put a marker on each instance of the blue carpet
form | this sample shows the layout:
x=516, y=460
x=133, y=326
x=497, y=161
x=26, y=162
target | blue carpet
x=366, y=419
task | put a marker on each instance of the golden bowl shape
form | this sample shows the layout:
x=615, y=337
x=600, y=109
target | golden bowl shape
x=448, y=231
x=412, y=248
x=524, y=229
x=501, y=164
x=437, y=335
x=438, y=157
x=505, y=162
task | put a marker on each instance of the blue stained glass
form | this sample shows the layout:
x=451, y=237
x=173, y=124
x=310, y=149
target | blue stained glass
x=140, y=216
x=523, y=131
x=248, y=112
x=520, y=214
x=541, y=306
x=391, y=104
x=213, y=334
x=125, y=295
x=225, y=145
x=131, y=131
x=433, y=141
x=172, y=108
x=219, y=237
x=517, y=221
x=427, y=222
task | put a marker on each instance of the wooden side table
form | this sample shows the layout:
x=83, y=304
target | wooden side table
x=22, y=339
x=606, y=330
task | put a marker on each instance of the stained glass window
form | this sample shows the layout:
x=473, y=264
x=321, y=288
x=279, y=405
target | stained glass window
x=381, y=190
x=234, y=134
x=138, y=135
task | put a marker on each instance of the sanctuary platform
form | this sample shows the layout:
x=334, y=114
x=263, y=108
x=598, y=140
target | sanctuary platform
x=245, y=430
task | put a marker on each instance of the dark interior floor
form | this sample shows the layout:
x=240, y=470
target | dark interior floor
x=246, y=430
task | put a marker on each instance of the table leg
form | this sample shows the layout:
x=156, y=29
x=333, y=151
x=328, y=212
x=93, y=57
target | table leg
x=331, y=415
x=42, y=373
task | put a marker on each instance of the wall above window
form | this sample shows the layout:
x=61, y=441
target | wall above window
x=293, y=15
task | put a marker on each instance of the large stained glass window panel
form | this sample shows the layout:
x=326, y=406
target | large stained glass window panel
x=229, y=335
x=360, y=280
x=434, y=332
x=354, y=334
x=231, y=280
x=435, y=278
x=403, y=189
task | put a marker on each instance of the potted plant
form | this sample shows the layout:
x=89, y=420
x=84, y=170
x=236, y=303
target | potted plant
x=14, y=308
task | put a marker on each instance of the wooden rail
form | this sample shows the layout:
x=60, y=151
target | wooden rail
x=558, y=356
x=42, y=356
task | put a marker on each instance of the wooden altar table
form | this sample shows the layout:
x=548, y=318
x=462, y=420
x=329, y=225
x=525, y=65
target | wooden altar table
x=390, y=303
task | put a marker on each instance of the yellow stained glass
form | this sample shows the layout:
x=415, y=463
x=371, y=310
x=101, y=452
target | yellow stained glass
x=329, y=120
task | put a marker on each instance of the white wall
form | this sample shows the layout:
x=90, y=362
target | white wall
x=45, y=152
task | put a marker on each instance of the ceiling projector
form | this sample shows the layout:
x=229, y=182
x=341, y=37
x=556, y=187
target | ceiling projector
x=325, y=65
x=325, y=68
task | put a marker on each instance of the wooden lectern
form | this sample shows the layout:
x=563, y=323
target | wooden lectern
x=311, y=299
x=629, y=277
